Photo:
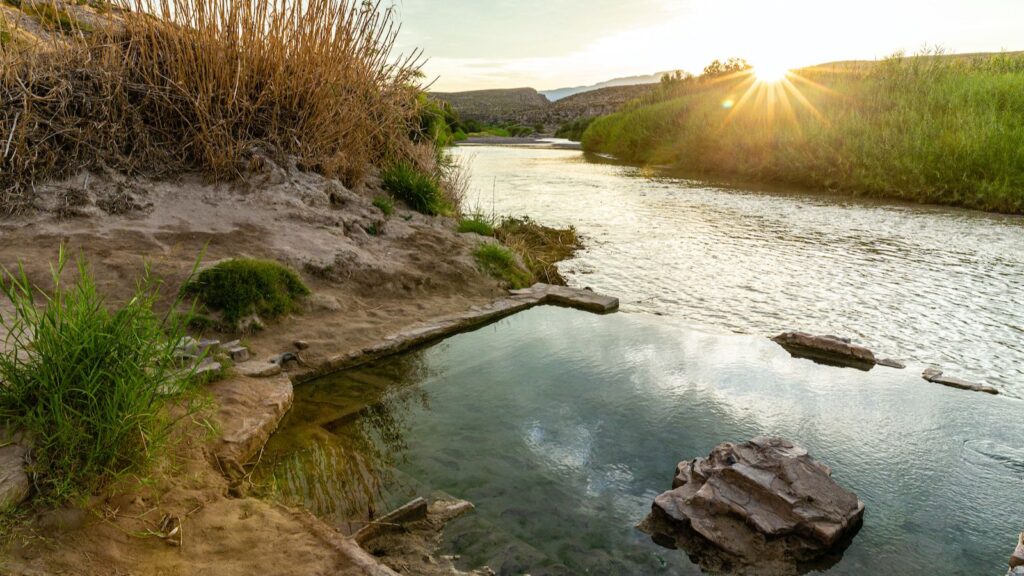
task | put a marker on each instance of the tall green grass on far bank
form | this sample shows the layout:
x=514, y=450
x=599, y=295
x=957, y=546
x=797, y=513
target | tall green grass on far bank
x=938, y=129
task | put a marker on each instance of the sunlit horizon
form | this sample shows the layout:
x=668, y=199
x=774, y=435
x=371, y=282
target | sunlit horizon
x=545, y=45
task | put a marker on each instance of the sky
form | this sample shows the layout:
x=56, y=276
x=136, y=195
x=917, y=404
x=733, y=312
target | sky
x=546, y=44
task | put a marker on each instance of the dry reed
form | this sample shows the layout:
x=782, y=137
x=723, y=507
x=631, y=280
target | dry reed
x=177, y=85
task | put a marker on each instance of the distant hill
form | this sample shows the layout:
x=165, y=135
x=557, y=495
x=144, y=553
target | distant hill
x=529, y=107
x=560, y=93
x=495, y=105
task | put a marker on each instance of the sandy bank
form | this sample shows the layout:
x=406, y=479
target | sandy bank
x=371, y=276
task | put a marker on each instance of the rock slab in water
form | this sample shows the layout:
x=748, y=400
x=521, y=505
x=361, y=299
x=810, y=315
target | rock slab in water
x=936, y=376
x=764, y=505
x=831, y=350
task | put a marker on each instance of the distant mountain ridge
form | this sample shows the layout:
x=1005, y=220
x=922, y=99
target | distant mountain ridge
x=561, y=93
x=527, y=106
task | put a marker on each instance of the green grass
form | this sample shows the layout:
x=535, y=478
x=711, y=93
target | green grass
x=420, y=190
x=574, y=130
x=88, y=384
x=476, y=224
x=385, y=204
x=501, y=263
x=54, y=18
x=241, y=287
x=938, y=129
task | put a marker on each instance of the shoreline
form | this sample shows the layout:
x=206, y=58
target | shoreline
x=380, y=285
x=521, y=142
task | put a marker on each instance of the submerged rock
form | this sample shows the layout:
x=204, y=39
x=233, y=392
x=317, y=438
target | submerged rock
x=936, y=376
x=830, y=350
x=763, y=507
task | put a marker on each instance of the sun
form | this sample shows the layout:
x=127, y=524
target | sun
x=770, y=73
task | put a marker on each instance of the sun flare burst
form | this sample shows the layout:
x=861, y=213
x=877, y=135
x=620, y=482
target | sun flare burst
x=770, y=73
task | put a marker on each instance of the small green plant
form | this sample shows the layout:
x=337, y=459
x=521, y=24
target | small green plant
x=52, y=17
x=5, y=34
x=500, y=262
x=87, y=384
x=385, y=204
x=241, y=287
x=477, y=224
x=421, y=191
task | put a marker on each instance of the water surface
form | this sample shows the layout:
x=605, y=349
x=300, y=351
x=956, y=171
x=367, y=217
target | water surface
x=937, y=285
x=562, y=427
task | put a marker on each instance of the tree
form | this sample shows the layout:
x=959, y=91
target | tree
x=730, y=66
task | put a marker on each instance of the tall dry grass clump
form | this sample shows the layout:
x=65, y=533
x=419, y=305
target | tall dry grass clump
x=174, y=85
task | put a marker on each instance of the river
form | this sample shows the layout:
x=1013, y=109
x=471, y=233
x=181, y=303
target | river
x=935, y=285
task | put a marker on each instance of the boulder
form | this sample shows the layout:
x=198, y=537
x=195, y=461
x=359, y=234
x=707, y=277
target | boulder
x=1017, y=560
x=763, y=506
x=830, y=350
x=937, y=377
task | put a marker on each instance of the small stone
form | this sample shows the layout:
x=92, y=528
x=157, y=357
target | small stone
x=938, y=377
x=258, y=369
x=251, y=323
x=284, y=359
x=208, y=368
x=238, y=354
x=302, y=344
x=890, y=363
x=209, y=347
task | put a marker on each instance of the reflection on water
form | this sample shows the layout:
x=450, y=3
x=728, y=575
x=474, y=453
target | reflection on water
x=934, y=285
x=562, y=427
x=338, y=447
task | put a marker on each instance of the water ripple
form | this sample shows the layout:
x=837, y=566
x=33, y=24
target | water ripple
x=932, y=285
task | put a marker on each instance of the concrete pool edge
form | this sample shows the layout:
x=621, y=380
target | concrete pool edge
x=445, y=326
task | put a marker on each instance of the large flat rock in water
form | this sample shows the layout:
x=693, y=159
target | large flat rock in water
x=830, y=350
x=248, y=412
x=763, y=507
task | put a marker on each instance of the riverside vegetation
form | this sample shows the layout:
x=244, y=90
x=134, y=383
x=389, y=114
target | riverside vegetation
x=90, y=387
x=220, y=88
x=202, y=85
x=930, y=128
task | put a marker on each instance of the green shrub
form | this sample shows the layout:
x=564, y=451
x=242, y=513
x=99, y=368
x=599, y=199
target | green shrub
x=240, y=287
x=421, y=191
x=574, y=130
x=88, y=384
x=476, y=224
x=385, y=205
x=500, y=262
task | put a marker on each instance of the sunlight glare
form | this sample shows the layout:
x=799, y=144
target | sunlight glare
x=770, y=73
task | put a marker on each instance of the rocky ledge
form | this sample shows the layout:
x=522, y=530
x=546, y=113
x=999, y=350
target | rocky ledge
x=830, y=350
x=761, y=507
